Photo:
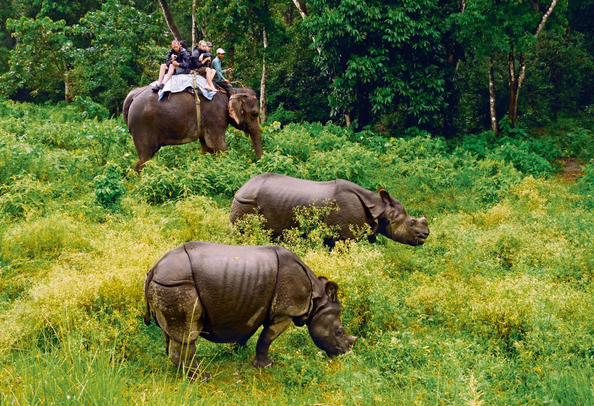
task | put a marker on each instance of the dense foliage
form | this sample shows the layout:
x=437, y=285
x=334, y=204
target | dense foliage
x=495, y=307
x=391, y=64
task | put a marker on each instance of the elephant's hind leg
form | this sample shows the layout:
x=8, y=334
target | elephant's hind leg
x=144, y=155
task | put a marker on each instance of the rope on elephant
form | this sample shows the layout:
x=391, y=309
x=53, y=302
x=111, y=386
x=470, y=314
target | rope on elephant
x=238, y=82
x=197, y=98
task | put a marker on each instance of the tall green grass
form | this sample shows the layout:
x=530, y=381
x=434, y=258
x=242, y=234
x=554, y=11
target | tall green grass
x=496, y=308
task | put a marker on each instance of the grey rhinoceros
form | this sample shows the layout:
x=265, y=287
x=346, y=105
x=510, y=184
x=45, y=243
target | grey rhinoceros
x=275, y=196
x=225, y=293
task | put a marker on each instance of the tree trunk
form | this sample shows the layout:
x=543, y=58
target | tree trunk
x=169, y=19
x=301, y=7
x=514, y=86
x=289, y=16
x=347, y=119
x=492, y=98
x=303, y=11
x=516, y=79
x=263, y=81
x=67, y=87
x=193, y=24
x=66, y=91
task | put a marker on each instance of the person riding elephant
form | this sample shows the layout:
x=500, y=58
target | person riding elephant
x=172, y=121
x=178, y=61
x=200, y=64
x=219, y=77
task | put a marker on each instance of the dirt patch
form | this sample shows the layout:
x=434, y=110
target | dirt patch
x=571, y=170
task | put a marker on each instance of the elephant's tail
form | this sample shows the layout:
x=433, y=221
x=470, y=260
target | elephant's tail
x=147, y=282
x=129, y=100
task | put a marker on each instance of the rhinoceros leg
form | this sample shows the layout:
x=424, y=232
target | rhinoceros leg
x=184, y=356
x=238, y=210
x=268, y=335
x=178, y=312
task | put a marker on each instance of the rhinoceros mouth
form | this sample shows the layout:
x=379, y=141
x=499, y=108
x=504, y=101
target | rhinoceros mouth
x=420, y=240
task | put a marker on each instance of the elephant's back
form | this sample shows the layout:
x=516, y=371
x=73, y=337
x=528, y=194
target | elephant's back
x=170, y=120
x=128, y=101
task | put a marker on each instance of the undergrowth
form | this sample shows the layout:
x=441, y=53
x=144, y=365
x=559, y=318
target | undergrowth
x=494, y=309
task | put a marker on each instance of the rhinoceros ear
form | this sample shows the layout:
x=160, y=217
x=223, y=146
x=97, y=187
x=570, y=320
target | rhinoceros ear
x=389, y=200
x=332, y=291
x=385, y=196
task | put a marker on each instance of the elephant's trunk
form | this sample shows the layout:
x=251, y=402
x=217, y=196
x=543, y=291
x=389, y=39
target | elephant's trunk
x=255, y=134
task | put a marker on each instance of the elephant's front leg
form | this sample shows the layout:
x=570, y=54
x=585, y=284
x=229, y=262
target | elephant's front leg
x=268, y=335
x=203, y=146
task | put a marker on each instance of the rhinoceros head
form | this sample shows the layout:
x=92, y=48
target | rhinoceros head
x=399, y=226
x=325, y=325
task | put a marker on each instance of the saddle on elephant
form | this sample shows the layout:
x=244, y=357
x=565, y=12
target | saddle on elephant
x=182, y=82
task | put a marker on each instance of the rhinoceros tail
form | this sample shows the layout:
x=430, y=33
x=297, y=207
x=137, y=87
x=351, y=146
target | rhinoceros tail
x=147, y=282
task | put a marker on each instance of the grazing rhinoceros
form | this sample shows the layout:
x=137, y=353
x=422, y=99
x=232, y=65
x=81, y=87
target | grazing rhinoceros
x=225, y=293
x=275, y=196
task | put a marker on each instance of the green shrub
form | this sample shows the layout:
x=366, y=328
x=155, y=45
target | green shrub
x=90, y=109
x=523, y=158
x=578, y=143
x=109, y=187
x=585, y=186
x=159, y=184
x=250, y=230
x=24, y=195
x=311, y=231
x=17, y=157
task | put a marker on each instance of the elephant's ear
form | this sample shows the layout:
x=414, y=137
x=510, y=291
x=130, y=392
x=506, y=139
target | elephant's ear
x=236, y=110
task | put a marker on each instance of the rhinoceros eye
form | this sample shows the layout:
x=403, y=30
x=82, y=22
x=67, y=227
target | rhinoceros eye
x=413, y=222
x=339, y=332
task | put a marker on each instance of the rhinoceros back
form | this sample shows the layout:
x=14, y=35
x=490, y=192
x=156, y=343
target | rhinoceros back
x=235, y=284
x=276, y=195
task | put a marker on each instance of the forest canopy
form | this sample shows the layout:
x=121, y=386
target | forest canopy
x=443, y=66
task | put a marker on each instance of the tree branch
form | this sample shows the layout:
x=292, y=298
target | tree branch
x=303, y=11
x=301, y=7
x=169, y=19
x=545, y=17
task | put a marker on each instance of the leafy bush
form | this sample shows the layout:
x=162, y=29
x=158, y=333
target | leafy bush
x=25, y=194
x=90, y=109
x=578, y=143
x=312, y=230
x=17, y=157
x=251, y=230
x=109, y=187
x=159, y=184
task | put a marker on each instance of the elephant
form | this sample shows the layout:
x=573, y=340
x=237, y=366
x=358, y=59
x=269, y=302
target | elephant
x=154, y=123
x=275, y=196
x=224, y=293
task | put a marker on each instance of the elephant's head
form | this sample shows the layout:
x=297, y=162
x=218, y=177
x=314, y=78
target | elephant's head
x=244, y=111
